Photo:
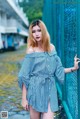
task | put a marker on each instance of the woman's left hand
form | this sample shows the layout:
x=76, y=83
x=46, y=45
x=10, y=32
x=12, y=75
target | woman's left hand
x=76, y=61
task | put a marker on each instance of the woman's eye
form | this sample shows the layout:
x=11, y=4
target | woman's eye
x=33, y=31
x=39, y=30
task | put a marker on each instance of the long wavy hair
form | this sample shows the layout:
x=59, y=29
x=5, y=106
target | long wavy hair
x=31, y=42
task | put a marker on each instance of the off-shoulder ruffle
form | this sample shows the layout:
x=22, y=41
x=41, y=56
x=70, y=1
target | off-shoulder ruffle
x=41, y=54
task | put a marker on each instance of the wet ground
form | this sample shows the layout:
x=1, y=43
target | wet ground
x=10, y=93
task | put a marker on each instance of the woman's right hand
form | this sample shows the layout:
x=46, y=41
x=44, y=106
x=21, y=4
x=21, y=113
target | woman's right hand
x=25, y=104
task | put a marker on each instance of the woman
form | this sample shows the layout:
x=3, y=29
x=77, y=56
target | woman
x=40, y=68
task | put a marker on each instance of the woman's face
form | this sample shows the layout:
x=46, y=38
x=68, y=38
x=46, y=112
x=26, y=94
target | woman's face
x=37, y=34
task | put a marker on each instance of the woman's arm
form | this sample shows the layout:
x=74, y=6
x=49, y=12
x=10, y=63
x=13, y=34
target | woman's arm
x=68, y=70
x=71, y=69
x=24, y=92
x=25, y=86
x=24, y=100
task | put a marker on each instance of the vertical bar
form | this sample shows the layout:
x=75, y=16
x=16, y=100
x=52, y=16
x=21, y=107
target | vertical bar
x=47, y=16
x=54, y=22
x=62, y=45
x=50, y=19
x=62, y=30
x=78, y=53
x=44, y=9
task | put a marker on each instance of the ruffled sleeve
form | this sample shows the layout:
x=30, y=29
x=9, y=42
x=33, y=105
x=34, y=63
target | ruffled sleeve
x=23, y=75
x=59, y=72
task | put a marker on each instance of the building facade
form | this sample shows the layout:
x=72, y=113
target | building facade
x=13, y=25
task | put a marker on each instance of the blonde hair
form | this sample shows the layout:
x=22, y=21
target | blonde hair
x=45, y=36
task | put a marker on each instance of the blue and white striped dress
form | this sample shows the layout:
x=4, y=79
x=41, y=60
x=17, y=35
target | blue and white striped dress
x=38, y=72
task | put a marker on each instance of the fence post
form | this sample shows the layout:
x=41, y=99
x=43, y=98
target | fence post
x=54, y=22
x=78, y=54
x=62, y=44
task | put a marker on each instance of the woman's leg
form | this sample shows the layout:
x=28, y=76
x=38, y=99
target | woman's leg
x=49, y=114
x=34, y=114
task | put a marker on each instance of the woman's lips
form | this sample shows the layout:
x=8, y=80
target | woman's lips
x=37, y=37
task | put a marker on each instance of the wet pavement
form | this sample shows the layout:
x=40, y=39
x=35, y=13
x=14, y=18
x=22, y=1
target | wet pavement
x=10, y=93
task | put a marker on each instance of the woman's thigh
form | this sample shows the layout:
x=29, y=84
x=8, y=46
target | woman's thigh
x=49, y=114
x=34, y=114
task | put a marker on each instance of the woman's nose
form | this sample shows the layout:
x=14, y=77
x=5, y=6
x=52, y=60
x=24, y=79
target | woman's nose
x=36, y=33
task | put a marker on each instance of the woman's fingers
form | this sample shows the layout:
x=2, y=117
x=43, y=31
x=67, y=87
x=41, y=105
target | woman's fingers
x=78, y=61
x=76, y=58
x=24, y=108
x=27, y=107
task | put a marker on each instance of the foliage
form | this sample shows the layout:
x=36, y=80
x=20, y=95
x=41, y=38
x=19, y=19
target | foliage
x=32, y=8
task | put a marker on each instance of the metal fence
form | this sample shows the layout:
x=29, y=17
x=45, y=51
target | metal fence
x=62, y=18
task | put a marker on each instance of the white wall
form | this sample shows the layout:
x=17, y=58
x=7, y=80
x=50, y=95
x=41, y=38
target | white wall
x=1, y=44
x=11, y=22
x=3, y=19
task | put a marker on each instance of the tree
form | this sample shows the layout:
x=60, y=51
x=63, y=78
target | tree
x=32, y=8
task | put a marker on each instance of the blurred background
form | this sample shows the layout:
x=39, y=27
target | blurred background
x=15, y=16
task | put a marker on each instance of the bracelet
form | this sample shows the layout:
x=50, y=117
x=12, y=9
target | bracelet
x=71, y=70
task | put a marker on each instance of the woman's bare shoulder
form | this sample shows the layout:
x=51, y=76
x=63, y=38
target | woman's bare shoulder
x=30, y=50
x=52, y=47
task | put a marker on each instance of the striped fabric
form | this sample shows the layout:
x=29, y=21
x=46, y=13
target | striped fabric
x=38, y=73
